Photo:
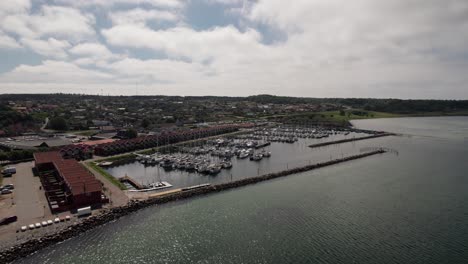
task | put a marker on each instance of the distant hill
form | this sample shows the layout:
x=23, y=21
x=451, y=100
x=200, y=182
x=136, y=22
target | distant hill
x=397, y=106
x=379, y=105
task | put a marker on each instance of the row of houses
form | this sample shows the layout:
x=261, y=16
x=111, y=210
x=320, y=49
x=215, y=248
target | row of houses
x=166, y=138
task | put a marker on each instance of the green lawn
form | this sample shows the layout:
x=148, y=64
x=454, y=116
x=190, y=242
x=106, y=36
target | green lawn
x=107, y=175
x=121, y=157
x=349, y=115
x=84, y=132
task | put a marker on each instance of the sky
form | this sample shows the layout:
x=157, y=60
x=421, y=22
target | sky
x=308, y=48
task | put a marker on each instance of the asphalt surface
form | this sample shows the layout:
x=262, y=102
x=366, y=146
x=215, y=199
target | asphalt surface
x=30, y=201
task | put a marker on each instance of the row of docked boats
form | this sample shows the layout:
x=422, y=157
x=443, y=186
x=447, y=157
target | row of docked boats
x=250, y=153
x=227, y=149
x=186, y=162
x=290, y=135
x=200, y=163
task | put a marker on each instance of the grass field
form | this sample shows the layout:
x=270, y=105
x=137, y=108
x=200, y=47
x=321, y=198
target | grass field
x=121, y=157
x=107, y=175
x=84, y=132
x=350, y=115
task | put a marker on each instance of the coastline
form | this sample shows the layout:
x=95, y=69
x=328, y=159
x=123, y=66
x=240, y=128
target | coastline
x=26, y=248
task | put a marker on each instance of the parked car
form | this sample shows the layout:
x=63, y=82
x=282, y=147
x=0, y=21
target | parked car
x=6, y=191
x=8, y=220
x=9, y=170
x=8, y=187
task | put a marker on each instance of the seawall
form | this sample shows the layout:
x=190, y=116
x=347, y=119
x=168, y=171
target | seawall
x=350, y=140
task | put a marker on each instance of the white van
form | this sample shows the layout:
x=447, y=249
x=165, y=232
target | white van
x=83, y=211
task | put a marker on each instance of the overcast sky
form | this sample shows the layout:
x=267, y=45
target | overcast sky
x=312, y=48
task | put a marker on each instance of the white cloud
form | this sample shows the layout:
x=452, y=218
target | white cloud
x=19, y=25
x=183, y=42
x=393, y=25
x=225, y=2
x=361, y=48
x=94, y=54
x=63, y=21
x=51, y=71
x=50, y=48
x=7, y=42
x=165, y=71
x=139, y=15
x=95, y=50
x=59, y=22
x=107, y=3
x=14, y=6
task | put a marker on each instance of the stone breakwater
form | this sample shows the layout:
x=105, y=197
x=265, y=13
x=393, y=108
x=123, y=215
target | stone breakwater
x=350, y=140
x=33, y=245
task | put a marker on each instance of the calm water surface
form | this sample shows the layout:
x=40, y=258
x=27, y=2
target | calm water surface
x=405, y=208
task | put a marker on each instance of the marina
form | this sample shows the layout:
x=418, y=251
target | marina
x=223, y=159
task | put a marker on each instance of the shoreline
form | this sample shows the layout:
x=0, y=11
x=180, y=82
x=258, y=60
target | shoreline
x=31, y=246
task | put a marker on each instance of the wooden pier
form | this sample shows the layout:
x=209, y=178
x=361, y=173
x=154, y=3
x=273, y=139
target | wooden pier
x=126, y=178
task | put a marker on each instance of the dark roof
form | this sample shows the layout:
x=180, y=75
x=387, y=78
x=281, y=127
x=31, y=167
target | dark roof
x=47, y=157
x=78, y=179
x=34, y=143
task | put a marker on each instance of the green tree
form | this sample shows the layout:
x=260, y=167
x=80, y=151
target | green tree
x=58, y=123
x=132, y=133
x=145, y=123
x=342, y=113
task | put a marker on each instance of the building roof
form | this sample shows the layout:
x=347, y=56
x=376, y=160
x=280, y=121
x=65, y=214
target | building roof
x=33, y=142
x=78, y=179
x=47, y=157
x=96, y=142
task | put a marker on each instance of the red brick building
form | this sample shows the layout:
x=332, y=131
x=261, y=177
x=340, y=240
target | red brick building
x=68, y=185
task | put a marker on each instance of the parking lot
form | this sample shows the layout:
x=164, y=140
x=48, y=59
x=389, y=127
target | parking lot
x=27, y=202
